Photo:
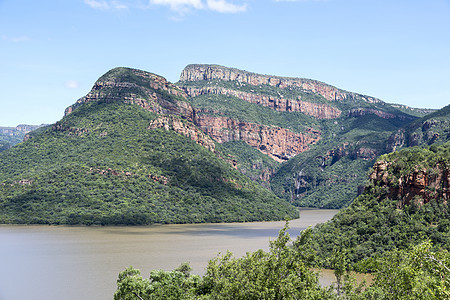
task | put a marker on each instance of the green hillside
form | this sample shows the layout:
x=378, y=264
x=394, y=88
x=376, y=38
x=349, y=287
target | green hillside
x=353, y=129
x=102, y=164
x=330, y=174
x=404, y=203
x=430, y=129
x=10, y=136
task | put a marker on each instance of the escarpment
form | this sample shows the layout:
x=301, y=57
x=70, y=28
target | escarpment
x=418, y=186
x=316, y=110
x=328, y=135
x=279, y=143
x=149, y=91
x=184, y=128
x=215, y=72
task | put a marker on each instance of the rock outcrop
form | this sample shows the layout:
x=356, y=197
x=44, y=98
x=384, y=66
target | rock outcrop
x=353, y=151
x=215, y=72
x=317, y=110
x=418, y=186
x=433, y=128
x=279, y=143
x=184, y=128
x=138, y=87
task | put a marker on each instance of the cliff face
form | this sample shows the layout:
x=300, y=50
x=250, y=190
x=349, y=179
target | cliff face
x=149, y=92
x=138, y=87
x=431, y=129
x=276, y=142
x=184, y=128
x=419, y=186
x=213, y=72
x=353, y=151
x=359, y=112
x=317, y=110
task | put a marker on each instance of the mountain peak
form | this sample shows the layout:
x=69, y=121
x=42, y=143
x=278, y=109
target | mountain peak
x=150, y=91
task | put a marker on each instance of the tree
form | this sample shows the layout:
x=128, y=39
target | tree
x=176, y=284
x=282, y=273
x=417, y=273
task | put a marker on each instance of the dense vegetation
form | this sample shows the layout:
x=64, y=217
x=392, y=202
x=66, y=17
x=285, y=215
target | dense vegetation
x=235, y=108
x=330, y=174
x=378, y=221
x=251, y=162
x=4, y=145
x=101, y=165
x=431, y=129
x=325, y=176
x=285, y=272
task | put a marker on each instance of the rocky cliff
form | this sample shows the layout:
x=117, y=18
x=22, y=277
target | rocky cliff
x=317, y=110
x=184, y=128
x=279, y=143
x=419, y=185
x=431, y=129
x=215, y=72
x=150, y=91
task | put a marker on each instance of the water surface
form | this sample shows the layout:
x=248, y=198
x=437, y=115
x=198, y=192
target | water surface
x=63, y=262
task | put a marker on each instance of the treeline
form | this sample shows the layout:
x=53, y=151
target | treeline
x=285, y=272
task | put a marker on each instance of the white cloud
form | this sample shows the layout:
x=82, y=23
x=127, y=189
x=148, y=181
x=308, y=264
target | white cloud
x=72, y=84
x=184, y=6
x=16, y=39
x=300, y=0
x=180, y=6
x=106, y=5
x=19, y=39
x=225, y=7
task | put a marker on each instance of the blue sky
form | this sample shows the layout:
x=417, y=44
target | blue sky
x=52, y=51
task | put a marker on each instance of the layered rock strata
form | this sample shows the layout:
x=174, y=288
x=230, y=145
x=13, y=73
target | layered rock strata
x=184, y=128
x=215, y=72
x=419, y=186
x=317, y=110
x=138, y=87
x=279, y=143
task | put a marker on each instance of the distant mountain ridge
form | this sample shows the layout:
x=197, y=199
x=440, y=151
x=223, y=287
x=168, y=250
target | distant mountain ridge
x=10, y=136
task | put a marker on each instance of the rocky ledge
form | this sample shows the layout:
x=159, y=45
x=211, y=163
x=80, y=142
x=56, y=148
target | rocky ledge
x=316, y=110
x=150, y=91
x=418, y=187
x=279, y=143
x=215, y=72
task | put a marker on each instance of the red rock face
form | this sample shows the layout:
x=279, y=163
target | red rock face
x=317, y=110
x=148, y=96
x=278, y=143
x=184, y=128
x=420, y=186
x=212, y=72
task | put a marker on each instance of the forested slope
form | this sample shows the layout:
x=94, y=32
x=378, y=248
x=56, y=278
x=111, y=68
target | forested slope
x=127, y=153
x=404, y=203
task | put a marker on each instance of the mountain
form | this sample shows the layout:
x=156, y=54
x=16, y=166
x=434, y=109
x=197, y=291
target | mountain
x=129, y=152
x=319, y=141
x=10, y=136
x=432, y=128
x=405, y=202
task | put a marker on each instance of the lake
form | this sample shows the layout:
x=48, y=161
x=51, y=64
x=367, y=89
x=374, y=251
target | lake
x=65, y=262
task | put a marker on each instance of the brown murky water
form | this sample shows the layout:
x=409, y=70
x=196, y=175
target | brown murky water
x=61, y=262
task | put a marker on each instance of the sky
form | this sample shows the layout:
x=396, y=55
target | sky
x=52, y=51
